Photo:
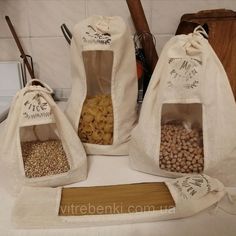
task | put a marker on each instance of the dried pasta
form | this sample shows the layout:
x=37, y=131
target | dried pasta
x=96, y=120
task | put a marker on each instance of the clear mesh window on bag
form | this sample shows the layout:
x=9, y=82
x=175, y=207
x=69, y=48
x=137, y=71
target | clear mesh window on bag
x=181, y=145
x=96, y=120
x=42, y=151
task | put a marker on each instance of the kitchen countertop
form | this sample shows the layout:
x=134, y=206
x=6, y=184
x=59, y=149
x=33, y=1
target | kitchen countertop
x=108, y=170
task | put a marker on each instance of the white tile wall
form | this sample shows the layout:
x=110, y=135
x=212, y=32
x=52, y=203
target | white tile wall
x=167, y=13
x=116, y=7
x=9, y=51
x=51, y=57
x=46, y=16
x=37, y=22
x=18, y=10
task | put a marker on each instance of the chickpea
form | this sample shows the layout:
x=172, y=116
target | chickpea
x=181, y=150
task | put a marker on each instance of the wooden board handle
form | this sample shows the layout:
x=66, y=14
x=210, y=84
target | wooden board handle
x=210, y=14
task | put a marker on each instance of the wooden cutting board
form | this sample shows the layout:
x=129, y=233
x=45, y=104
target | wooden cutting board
x=222, y=36
x=115, y=199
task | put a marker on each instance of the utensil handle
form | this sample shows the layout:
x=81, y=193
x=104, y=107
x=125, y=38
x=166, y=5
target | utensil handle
x=23, y=55
x=141, y=26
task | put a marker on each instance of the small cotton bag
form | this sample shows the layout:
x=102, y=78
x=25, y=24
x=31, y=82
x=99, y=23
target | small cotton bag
x=191, y=195
x=188, y=118
x=34, y=117
x=102, y=104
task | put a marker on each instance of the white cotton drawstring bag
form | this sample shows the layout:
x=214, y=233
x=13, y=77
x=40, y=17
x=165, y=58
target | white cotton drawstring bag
x=191, y=195
x=40, y=147
x=188, y=118
x=102, y=105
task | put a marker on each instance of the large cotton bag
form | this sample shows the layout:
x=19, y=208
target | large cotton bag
x=188, y=118
x=102, y=105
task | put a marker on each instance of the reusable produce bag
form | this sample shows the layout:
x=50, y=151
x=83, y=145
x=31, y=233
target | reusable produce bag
x=191, y=194
x=40, y=147
x=102, y=105
x=188, y=119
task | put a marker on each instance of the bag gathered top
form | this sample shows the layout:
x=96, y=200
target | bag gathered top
x=102, y=105
x=188, y=118
x=40, y=147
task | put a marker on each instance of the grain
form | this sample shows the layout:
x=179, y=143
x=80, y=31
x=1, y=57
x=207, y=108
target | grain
x=96, y=121
x=182, y=149
x=44, y=158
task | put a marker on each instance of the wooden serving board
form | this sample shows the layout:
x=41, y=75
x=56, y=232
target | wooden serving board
x=115, y=199
x=222, y=36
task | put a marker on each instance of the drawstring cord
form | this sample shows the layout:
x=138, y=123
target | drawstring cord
x=44, y=88
x=227, y=204
x=231, y=198
x=200, y=30
x=193, y=45
x=103, y=24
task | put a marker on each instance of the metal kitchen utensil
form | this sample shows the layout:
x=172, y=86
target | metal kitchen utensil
x=66, y=32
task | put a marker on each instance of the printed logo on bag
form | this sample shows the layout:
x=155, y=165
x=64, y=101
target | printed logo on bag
x=183, y=73
x=193, y=187
x=35, y=108
x=95, y=36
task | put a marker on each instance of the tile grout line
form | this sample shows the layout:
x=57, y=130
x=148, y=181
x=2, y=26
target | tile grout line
x=59, y=37
x=30, y=33
x=86, y=8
